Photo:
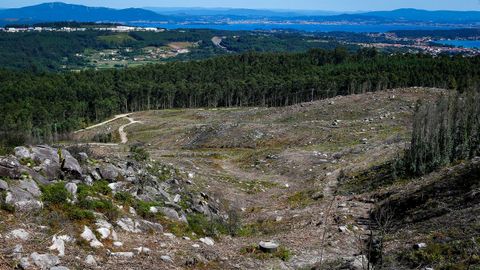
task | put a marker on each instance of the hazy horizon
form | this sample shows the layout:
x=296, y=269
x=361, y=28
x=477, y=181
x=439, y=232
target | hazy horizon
x=313, y=5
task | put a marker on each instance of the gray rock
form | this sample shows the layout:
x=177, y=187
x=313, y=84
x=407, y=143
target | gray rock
x=59, y=268
x=72, y=189
x=109, y=172
x=25, y=263
x=10, y=167
x=207, y=241
x=17, y=252
x=150, y=226
x=42, y=153
x=90, y=260
x=24, y=195
x=95, y=175
x=34, y=175
x=19, y=234
x=51, y=169
x=169, y=213
x=22, y=152
x=44, y=261
x=268, y=246
x=3, y=185
x=59, y=245
x=166, y=258
x=142, y=250
x=70, y=164
x=125, y=255
x=357, y=263
x=129, y=225
x=88, y=236
x=83, y=157
x=420, y=246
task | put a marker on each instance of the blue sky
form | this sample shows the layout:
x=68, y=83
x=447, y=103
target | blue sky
x=335, y=5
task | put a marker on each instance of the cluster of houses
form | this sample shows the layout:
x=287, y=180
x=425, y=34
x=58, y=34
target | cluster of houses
x=119, y=28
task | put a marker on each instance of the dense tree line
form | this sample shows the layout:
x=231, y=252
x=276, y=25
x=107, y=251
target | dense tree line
x=36, y=107
x=444, y=132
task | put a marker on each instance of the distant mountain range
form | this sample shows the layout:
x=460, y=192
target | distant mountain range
x=52, y=12
x=49, y=12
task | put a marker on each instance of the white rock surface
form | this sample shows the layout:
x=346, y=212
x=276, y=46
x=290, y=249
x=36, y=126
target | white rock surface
x=19, y=234
x=90, y=237
x=44, y=261
x=90, y=260
x=122, y=254
x=59, y=245
x=207, y=241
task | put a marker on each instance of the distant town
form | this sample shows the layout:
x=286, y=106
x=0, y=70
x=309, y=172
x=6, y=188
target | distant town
x=118, y=28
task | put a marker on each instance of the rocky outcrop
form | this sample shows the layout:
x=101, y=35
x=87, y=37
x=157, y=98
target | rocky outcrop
x=9, y=167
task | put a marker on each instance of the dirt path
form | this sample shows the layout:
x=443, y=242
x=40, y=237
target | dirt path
x=121, y=130
x=217, y=41
x=104, y=122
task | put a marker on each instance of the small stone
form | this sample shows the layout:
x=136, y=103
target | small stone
x=59, y=245
x=122, y=254
x=104, y=232
x=166, y=258
x=44, y=261
x=59, y=268
x=19, y=234
x=143, y=250
x=117, y=244
x=90, y=260
x=207, y=241
x=72, y=189
x=279, y=218
x=268, y=246
x=3, y=185
x=195, y=245
x=343, y=229
x=420, y=246
x=169, y=235
x=25, y=263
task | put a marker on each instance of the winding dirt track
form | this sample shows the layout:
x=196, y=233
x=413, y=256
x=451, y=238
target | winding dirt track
x=121, y=129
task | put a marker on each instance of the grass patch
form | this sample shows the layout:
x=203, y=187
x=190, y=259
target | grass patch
x=281, y=253
x=117, y=39
x=261, y=227
x=456, y=254
x=55, y=194
x=301, y=199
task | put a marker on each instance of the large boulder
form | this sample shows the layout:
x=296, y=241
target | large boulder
x=24, y=195
x=109, y=172
x=10, y=167
x=22, y=152
x=44, y=152
x=48, y=159
x=44, y=261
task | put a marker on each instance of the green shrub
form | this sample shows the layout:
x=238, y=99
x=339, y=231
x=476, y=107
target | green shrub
x=139, y=154
x=124, y=198
x=143, y=208
x=204, y=226
x=55, y=194
x=79, y=214
x=281, y=253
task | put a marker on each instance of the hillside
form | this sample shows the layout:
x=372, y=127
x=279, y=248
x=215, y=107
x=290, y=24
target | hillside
x=57, y=11
x=54, y=12
x=289, y=175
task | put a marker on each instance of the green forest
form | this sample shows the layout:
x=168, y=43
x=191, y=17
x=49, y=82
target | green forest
x=59, y=51
x=41, y=107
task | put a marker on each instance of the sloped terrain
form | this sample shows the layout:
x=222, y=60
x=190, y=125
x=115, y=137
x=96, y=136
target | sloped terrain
x=263, y=174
